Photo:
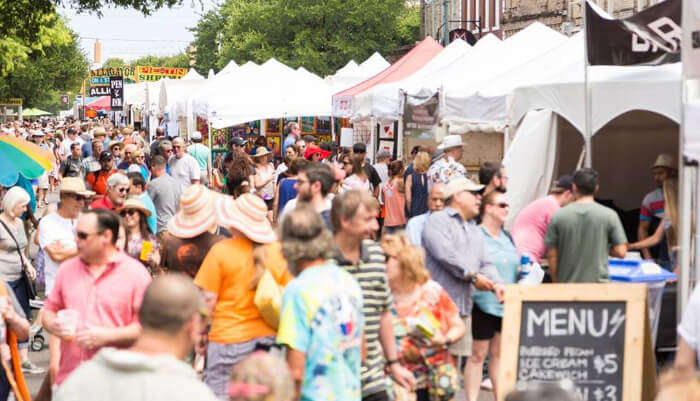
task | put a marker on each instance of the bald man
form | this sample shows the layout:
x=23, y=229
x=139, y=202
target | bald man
x=414, y=227
x=171, y=324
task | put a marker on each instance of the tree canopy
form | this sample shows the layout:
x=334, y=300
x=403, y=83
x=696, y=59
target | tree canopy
x=180, y=60
x=321, y=36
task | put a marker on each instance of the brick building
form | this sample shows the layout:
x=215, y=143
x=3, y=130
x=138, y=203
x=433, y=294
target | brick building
x=506, y=17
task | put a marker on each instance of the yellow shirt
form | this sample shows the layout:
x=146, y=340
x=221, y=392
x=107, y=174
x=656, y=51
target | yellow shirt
x=227, y=271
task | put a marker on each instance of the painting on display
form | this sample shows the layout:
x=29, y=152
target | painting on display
x=274, y=144
x=323, y=125
x=273, y=127
x=307, y=124
x=324, y=139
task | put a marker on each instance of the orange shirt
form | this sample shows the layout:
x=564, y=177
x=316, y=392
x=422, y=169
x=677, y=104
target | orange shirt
x=98, y=181
x=227, y=271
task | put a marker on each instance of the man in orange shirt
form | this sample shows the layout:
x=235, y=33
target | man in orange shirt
x=98, y=180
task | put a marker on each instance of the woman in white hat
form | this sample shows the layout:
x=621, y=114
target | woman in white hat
x=191, y=232
x=140, y=243
x=263, y=179
x=229, y=276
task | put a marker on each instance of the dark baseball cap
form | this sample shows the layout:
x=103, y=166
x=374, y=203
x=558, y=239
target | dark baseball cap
x=359, y=148
x=238, y=141
x=564, y=183
x=106, y=155
x=71, y=130
x=309, y=138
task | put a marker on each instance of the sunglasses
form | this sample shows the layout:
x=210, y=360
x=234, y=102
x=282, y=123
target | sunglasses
x=123, y=190
x=79, y=198
x=83, y=235
x=129, y=212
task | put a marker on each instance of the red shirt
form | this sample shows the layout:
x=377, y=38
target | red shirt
x=98, y=181
x=102, y=203
x=110, y=300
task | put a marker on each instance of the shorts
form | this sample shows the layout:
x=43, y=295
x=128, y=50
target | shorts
x=221, y=359
x=463, y=347
x=484, y=325
x=270, y=203
x=43, y=181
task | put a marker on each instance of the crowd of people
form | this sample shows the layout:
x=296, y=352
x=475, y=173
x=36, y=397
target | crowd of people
x=386, y=280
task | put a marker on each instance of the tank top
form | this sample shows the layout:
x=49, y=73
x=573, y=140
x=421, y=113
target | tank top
x=394, y=202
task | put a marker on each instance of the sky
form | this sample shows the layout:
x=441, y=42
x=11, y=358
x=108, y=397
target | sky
x=127, y=34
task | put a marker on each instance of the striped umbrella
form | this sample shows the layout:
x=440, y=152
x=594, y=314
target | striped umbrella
x=18, y=156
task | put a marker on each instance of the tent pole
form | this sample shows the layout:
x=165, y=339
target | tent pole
x=587, y=135
x=210, y=163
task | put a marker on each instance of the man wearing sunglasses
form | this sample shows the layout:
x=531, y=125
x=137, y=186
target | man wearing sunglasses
x=117, y=192
x=455, y=253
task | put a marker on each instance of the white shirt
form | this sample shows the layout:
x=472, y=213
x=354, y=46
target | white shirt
x=67, y=142
x=184, y=170
x=689, y=329
x=54, y=228
x=292, y=205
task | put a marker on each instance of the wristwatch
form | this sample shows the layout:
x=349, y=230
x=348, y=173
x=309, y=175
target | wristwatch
x=472, y=278
x=391, y=362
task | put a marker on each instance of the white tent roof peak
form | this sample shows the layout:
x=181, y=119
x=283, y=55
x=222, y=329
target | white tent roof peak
x=486, y=41
x=191, y=75
x=375, y=59
x=230, y=67
x=373, y=65
x=458, y=44
x=211, y=74
x=349, y=69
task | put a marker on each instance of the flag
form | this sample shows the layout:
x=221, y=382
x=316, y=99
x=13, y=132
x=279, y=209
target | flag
x=650, y=37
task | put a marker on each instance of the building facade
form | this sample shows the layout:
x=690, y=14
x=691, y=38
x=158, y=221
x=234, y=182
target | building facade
x=506, y=17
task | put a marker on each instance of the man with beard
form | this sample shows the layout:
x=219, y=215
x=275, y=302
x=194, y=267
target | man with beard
x=493, y=176
x=313, y=187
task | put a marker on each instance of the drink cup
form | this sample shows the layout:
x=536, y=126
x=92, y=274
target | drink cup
x=146, y=248
x=68, y=319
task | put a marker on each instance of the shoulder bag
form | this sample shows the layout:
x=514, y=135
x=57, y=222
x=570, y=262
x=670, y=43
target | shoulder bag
x=31, y=287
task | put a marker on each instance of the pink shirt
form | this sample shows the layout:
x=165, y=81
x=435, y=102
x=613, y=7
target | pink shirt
x=110, y=300
x=530, y=227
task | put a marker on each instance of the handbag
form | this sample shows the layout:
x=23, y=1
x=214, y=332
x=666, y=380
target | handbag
x=443, y=379
x=31, y=287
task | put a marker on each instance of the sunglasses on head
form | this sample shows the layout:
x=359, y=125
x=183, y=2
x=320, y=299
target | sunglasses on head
x=128, y=212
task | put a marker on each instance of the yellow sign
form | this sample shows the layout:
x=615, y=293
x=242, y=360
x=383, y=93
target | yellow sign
x=156, y=73
x=11, y=102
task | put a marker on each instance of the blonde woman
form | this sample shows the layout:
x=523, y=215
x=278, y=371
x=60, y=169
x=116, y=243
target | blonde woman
x=669, y=225
x=417, y=186
x=416, y=295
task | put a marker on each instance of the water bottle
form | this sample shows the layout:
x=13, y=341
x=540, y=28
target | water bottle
x=525, y=267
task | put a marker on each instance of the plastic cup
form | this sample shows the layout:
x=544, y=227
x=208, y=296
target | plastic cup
x=68, y=319
x=146, y=248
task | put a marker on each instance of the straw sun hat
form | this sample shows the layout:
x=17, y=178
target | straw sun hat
x=134, y=204
x=195, y=215
x=247, y=214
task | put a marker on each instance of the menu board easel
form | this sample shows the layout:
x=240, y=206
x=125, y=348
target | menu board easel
x=596, y=335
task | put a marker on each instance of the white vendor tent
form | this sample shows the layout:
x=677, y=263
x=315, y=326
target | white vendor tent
x=352, y=73
x=230, y=67
x=383, y=101
x=271, y=91
x=192, y=75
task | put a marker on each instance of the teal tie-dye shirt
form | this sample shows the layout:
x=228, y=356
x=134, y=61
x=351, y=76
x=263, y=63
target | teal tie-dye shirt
x=322, y=317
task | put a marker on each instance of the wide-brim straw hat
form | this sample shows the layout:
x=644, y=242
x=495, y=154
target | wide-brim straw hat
x=74, y=185
x=134, y=204
x=196, y=214
x=247, y=214
x=261, y=151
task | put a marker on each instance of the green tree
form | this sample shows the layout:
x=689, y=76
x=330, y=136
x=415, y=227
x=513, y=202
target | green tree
x=114, y=62
x=27, y=26
x=320, y=36
x=48, y=73
x=180, y=60
x=207, y=39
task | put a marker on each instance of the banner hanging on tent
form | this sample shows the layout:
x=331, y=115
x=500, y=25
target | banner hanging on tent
x=650, y=37
x=116, y=96
x=420, y=112
x=691, y=39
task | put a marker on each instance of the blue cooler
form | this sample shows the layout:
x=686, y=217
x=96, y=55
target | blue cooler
x=643, y=271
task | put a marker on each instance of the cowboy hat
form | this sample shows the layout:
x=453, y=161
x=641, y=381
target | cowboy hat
x=74, y=185
x=195, y=215
x=247, y=214
x=261, y=151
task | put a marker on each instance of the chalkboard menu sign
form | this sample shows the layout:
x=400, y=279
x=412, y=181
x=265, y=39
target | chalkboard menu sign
x=582, y=342
x=594, y=335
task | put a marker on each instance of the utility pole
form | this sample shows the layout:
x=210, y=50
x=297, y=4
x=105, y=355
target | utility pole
x=446, y=29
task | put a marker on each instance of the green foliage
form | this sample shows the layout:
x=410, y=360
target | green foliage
x=48, y=73
x=321, y=36
x=26, y=26
x=114, y=62
x=207, y=39
x=180, y=60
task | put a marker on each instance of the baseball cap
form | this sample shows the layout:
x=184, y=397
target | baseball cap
x=359, y=148
x=460, y=184
x=105, y=155
x=238, y=141
x=564, y=183
x=309, y=138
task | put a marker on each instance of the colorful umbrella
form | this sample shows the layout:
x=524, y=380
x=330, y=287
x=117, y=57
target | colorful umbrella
x=103, y=103
x=18, y=156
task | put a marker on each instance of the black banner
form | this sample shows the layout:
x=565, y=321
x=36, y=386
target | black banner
x=650, y=37
x=420, y=112
x=116, y=96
